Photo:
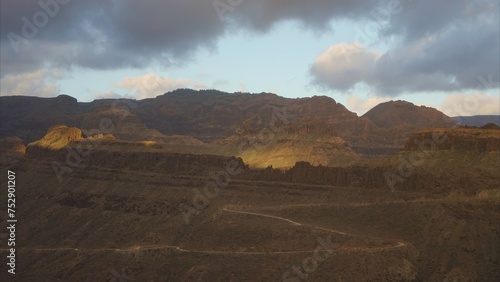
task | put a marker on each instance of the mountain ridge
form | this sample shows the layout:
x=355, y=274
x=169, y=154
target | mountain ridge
x=227, y=123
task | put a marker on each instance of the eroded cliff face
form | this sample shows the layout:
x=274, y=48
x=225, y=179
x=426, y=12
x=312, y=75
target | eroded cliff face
x=456, y=139
x=142, y=161
x=438, y=160
x=353, y=176
x=58, y=137
x=68, y=148
x=391, y=177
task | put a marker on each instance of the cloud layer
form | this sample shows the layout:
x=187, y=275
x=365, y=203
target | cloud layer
x=148, y=86
x=440, y=45
x=452, y=47
x=38, y=83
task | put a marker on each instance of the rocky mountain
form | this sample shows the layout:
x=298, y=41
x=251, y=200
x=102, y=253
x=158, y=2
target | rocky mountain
x=67, y=148
x=264, y=129
x=430, y=212
x=402, y=113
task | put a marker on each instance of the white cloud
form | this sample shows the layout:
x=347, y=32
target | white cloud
x=451, y=60
x=343, y=65
x=151, y=85
x=110, y=95
x=470, y=104
x=361, y=106
x=36, y=83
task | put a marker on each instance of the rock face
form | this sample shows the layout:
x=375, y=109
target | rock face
x=142, y=161
x=433, y=160
x=67, y=146
x=456, y=139
x=353, y=176
x=58, y=137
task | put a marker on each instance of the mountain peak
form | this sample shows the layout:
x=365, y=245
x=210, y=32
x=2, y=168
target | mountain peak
x=395, y=113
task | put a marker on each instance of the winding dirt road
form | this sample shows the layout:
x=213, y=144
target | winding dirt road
x=135, y=249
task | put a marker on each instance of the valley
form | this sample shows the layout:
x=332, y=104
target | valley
x=298, y=203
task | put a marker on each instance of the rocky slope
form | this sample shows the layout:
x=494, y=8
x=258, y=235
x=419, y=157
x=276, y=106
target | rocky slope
x=58, y=137
x=66, y=147
x=456, y=139
x=433, y=160
x=211, y=121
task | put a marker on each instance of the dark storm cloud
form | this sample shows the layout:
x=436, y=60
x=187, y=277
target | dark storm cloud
x=112, y=34
x=458, y=58
x=426, y=17
x=262, y=15
x=443, y=46
x=106, y=34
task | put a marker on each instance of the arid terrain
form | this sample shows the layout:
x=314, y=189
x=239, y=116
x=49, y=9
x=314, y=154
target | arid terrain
x=305, y=204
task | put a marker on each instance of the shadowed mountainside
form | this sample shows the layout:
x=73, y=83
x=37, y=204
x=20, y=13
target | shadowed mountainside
x=63, y=145
x=121, y=206
x=280, y=130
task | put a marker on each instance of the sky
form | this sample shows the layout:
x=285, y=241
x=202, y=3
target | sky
x=443, y=54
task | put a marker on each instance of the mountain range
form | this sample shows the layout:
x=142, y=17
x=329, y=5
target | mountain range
x=212, y=186
x=264, y=129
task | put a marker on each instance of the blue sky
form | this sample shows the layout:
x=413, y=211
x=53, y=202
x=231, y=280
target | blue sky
x=359, y=53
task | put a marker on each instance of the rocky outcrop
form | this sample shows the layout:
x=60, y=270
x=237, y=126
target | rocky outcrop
x=456, y=139
x=58, y=137
x=67, y=146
